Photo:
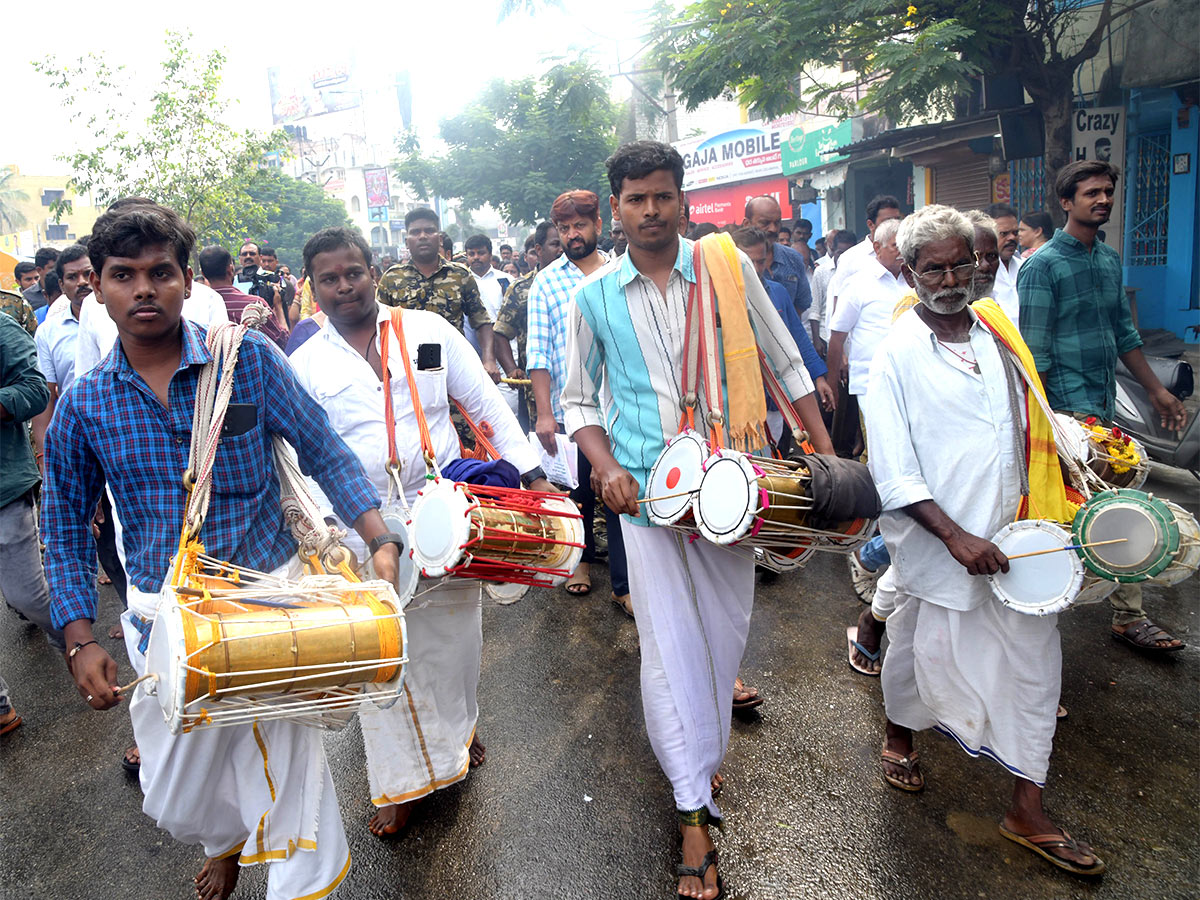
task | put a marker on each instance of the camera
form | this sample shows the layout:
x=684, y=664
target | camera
x=262, y=283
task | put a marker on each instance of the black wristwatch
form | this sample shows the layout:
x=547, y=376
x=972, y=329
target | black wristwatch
x=388, y=537
x=531, y=476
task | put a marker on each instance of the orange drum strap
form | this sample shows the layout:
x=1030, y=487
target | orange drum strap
x=397, y=323
x=779, y=395
x=480, y=432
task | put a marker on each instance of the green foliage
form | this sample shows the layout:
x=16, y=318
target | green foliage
x=520, y=144
x=172, y=146
x=295, y=210
x=11, y=218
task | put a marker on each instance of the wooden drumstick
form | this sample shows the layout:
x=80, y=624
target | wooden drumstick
x=666, y=497
x=127, y=687
x=518, y=382
x=1068, y=547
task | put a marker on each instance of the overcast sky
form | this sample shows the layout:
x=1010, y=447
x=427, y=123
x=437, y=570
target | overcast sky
x=451, y=49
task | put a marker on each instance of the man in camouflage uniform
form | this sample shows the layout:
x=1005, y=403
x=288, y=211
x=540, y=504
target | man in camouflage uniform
x=513, y=321
x=429, y=282
x=18, y=307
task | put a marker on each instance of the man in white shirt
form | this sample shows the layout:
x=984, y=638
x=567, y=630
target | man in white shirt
x=881, y=208
x=492, y=286
x=864, y=314
x=426, y=741
x=817, y=315
x=1005, y=291
x=948, y=438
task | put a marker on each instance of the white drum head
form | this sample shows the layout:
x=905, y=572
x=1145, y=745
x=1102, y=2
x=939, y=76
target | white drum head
x=505, y=592
x=165, y=659
x=568, y=556
x=1037, y=585
x=678, y=468
x=728, y=500
x=440, y=527
x=408, y=573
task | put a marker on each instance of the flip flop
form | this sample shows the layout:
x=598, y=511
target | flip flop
x=852, y=644
x=624, y=604
x=755, y=700
x=12, y=724
x=907, y=763
x=579, y=587
x=1042, y=844
x=133, y=768
x=710, y=860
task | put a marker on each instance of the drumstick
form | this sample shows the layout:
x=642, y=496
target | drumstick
x=1068, y=547
x=519, y=382
x=666, y=497
x=125, y=688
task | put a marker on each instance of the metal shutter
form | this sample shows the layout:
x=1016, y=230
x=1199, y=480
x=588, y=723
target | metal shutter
x=964, y=184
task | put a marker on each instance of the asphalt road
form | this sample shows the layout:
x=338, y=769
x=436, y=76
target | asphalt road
x=571, y=804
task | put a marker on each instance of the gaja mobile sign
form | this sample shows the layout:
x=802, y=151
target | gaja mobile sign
x=748, y=151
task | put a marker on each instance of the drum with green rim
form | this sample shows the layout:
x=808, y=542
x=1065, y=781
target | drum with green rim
x=1142, y=527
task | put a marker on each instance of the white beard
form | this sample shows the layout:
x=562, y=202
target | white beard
x=946, y=302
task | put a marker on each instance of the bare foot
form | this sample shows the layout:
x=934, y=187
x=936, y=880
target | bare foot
x=217, y=879
x=390, y=819
x=697, y=844
x=477, y=752
x=102, y=578
x=116, y=632
x=870, y=635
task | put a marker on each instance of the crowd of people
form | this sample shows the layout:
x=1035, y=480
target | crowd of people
x=898, y=349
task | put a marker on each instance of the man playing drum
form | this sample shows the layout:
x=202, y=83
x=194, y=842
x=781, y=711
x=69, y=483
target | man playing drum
x=691, y=600
x=427, y=740
x=947, y=439
x=251, y=793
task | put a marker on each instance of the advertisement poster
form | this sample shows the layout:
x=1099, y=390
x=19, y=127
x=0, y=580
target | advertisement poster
x=726, y=204
x=299, y=91
x=810, y=146
x=1099, y=133
x=749, y=151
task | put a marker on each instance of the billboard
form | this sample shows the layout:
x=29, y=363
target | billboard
x=807, y=148
x=301, y=91
x=1099, y=133
x=726, y=204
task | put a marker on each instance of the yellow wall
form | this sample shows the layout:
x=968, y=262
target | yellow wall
x=79, y=221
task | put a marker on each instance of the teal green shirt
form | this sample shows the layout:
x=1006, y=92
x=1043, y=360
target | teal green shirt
x=1076, y=321
x=23, y=394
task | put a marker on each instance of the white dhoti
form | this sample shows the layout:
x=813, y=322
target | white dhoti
x=989, y=678
x=692, y=602
x=261, y=791
x=420, y=743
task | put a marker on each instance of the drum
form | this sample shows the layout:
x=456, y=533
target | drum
x=504, y=592
x=768, y=504
x=495, y=534
x=1118, y=459
x=1037, y=585
x=1187, y=560
x=226, y=652
x=674, y=479
x=1142, y=531
x=409, y=575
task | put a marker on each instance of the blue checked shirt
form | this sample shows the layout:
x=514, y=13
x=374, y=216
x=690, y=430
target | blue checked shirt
x=548, y=308
x=110, y=425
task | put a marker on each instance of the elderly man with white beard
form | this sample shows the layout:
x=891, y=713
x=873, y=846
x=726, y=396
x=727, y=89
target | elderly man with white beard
x=947, y=422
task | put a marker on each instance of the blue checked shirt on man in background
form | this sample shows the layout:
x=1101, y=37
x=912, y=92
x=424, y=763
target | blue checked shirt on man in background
x=110, y=424
x=548, y=310
x=788, y=268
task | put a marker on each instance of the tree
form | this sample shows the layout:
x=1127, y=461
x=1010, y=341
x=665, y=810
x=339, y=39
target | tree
x=911, y=60
x=295, y=210
x=172, y=146
x=11, y=218
x=520, y=144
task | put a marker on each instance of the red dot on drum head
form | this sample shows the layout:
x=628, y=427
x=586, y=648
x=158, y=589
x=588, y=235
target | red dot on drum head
x=673, y=478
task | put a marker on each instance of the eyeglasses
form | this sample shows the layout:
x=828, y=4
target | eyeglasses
x=934, y=277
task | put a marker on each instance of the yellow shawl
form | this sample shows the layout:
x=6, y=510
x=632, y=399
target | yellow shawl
x=1047, y=494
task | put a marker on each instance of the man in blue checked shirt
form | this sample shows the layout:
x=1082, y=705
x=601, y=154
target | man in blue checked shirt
x=129, y=420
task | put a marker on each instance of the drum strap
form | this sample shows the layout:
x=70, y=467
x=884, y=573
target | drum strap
x=701, y=359
x=779, y=395
x=397, y=326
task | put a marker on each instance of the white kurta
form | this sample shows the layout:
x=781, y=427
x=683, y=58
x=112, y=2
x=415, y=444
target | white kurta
x=864, y=312
x=1004, y=291
x=958, y=660
x=420, y=743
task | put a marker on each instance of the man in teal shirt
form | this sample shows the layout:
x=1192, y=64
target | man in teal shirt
x=1077, y=323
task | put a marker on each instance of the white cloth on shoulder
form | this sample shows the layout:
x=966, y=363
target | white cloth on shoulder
x=988, y=677
x=692, y=603
x=262, y=791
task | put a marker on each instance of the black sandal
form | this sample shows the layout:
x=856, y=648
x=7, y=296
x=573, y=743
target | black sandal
x=710, y=860
x=133, y=768
x=1143, y=636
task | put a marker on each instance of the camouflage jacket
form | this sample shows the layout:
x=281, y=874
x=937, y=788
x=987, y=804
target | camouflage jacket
x=451, y=292
x=512, y=321
x=18, y=307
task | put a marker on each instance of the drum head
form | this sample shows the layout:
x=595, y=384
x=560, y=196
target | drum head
x=1036, y=585
x=678, y=468
x=570, y=550
x=504, y=591
x=165, y=659
x=1144, y=527
x=1094, y=590
x=440, y=527
x=1187, y=560
x=728, y=500
x=408, y=573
